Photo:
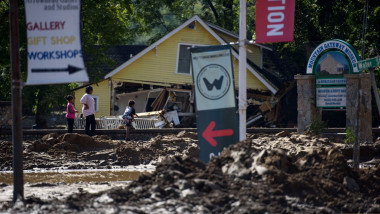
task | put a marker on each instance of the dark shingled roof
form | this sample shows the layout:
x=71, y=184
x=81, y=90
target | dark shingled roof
x=273, y=78
x=120, y=54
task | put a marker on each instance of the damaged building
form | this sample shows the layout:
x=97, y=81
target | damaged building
x=158, y=77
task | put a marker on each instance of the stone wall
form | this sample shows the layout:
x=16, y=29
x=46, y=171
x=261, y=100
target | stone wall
x=307, y=111
x=358, y=106
x=5, y=115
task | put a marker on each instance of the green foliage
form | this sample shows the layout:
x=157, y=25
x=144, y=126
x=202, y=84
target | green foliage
x=144, y=21
x=317, y=126
x=317, y=21
x=103, y=23
x=350, y=136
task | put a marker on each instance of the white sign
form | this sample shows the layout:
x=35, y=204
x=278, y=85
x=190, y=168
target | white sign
x=331, y=97
x=344, y=47
x=213, y=78
x=54, y=43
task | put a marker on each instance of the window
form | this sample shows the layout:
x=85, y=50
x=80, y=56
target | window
x=183, y=63
x=184, y=58
x=96, y=99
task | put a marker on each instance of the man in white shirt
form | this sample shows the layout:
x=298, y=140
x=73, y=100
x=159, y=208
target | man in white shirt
x=88, y=111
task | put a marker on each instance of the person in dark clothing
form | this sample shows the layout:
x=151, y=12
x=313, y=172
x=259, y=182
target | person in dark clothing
x=129, y=116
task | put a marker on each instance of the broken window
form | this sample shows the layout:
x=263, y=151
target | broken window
x=183, y=63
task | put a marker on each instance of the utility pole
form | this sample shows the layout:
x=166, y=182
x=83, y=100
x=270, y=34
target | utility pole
x=18, y=175
x=242, y=71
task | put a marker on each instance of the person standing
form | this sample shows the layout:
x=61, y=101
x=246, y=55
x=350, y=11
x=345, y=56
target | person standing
x=129, y=116
x=88, y=111
x=70, y=115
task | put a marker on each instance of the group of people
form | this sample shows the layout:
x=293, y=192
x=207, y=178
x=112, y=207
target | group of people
x=88, y=110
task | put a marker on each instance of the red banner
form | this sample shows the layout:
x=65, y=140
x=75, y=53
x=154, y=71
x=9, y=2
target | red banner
x=274, y=20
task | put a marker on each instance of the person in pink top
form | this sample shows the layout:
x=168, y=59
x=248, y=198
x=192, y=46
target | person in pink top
x=70, y=115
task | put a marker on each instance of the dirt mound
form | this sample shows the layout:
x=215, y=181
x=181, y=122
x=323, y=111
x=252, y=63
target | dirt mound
x=157, y=148
x=53, y=143
x=284, y=173
x=243, y=179
x=6, y=157
x=76, y=151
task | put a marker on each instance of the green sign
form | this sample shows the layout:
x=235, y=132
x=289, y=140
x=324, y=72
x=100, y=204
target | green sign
x=369, y=63
x=329, y=78
x=333, y=45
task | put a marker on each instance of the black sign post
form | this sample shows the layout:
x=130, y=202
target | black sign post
x=18, y=175
x=217, y=129
x=217, y=116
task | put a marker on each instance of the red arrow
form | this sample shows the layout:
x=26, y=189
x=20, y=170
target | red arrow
x=209, y=133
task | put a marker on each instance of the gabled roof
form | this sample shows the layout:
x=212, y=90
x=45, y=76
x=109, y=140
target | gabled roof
x=272, y=87
x=216, y=27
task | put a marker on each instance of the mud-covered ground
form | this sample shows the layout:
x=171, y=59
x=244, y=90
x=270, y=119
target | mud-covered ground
x=283, y=173
x=76, y=151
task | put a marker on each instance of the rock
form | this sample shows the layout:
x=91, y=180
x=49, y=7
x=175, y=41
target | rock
x=283, y=134
x=193, y=151
x=182, y=184
x=351, y=184
x=104, y=199
x=184, y=134
x=187, y=192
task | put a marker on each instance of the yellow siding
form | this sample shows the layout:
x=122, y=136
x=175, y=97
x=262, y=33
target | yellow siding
x=102, y=91
x=159, y=64
x=253, y=51
x=252, y=81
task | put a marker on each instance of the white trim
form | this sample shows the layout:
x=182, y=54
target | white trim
x=223, y=30
x=96, y=103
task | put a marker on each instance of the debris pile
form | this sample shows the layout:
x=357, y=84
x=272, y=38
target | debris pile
x=287, y=173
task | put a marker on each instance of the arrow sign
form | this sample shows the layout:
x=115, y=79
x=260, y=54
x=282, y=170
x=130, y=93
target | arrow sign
x=209, y=133
x=71, y=69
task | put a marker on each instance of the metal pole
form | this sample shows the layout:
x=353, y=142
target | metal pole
x=356, y=148
x=375, y=90
x=373, y=79
x=364, y=27
x=18, y=176
x=242, y=71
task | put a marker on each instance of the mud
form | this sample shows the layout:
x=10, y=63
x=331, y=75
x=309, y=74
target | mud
x=283, y=173
x=75, y=151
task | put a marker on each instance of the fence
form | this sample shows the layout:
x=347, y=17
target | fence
x=116, y=122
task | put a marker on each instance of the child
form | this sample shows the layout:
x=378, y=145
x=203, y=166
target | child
x=128, y=116
x=70, y=115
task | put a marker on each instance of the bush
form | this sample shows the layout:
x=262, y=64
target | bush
x=317, y=126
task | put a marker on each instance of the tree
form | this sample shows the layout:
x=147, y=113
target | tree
x=103, y=23
x=138, y=21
